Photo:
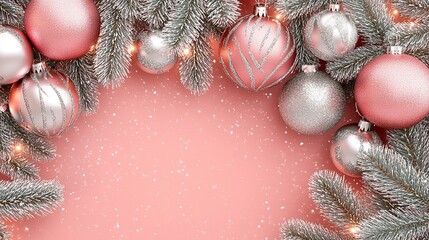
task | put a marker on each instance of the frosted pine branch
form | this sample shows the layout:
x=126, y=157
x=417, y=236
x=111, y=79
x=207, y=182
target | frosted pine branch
x=112, y=59
x=11, y=14
x=335, y=199
x=398, y=224
x=223, y=13
x=413, y=144
x=293, y=9
x=4, y=233
x=347, y=68
x=6, y=136
x=19, y=168
x=303, y=55
x=155, y=12
x=371, y=17
x=301, y=230
x=393, y=177
x=128, y=8
x=413, y=37
x=416, y=9
x=37, y=147
x=81, y=71
x=196, y=69
x=423, y=55
x=26, y=199
x=185, y=24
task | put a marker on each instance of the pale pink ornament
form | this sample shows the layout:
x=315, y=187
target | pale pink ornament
x=258, y=52
x=16, y=55
x=45, y=102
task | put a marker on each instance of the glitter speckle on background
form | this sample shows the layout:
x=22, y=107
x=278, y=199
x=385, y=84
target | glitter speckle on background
x=156, y=162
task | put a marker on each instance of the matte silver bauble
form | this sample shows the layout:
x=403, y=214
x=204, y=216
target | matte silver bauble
x=312, y=102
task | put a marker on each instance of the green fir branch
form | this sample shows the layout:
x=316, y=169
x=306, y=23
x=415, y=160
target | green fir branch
x=303, y=55
x=81, y=71
x=336, y=200
x=112, y=59
x=11, y=14
x=36, y=146
x=394, y=178
x=223, y=13
x=301, y=230
x=372, y=19
x=412, y=144
x=412, y=36
x=293, y=9
x=196, y=69
x=346, y=69
x=26, y=199
x=397, y=224
x=6, y=136
x=19, y=168
x=185, y=24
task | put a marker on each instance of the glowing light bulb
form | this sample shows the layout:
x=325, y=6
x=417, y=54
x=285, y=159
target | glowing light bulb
x=186, y=52
x=131, y=48
x=279, y=17
x=395, y=12
x=18, y=147
x=354, y=230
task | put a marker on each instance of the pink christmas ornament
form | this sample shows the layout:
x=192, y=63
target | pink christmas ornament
x=258, y=52
x=392, y=90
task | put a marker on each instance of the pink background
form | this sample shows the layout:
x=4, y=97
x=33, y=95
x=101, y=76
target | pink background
x=156, y=162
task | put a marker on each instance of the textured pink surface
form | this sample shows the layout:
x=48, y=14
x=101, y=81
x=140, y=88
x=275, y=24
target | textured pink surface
x=156, y=162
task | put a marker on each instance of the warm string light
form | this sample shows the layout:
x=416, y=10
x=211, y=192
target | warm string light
x=354, y=230
x=131, y=49
x=186, y=52
x=17, y=148
x=395, y=12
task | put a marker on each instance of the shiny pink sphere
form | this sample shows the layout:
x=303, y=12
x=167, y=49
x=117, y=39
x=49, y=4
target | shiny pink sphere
x=392, y=91
x=62, y=29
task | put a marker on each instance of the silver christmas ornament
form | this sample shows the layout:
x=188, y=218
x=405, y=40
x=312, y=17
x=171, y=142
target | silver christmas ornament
x=45, y=102
x=347, y=142
x=16, y=55
x=312, y=102
x=153, y=55
x=330, y=34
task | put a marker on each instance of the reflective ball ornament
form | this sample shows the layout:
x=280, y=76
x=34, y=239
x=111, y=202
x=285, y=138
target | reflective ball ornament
x=392, y=90
x=62, y=29
x=312, y=102
x=153, y=55
x=347, y=142
x=258, y=52
x=16, y=55
x=45, y=102
x=330, y=34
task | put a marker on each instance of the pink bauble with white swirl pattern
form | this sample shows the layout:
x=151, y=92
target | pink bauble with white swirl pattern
x=258, y=52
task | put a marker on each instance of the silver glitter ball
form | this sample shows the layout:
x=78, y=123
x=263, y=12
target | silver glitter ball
x=45, y=102
x=153, y=55
x=330, y=35
x=347, y=142
x=312, y=103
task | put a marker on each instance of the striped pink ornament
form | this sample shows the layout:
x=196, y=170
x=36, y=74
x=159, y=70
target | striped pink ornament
x=258, y=52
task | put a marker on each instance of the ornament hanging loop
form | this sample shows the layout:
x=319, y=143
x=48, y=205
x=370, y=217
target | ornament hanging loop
x=309, y=68
x=260, y=10
x=334, y=7
x=395, y=50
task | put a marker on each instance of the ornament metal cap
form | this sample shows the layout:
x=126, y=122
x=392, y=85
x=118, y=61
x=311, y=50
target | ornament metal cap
x=334, y=7
x=260, y=10
x=364, y=125
x=395, y=50
x=39, y=67
x=309, y=68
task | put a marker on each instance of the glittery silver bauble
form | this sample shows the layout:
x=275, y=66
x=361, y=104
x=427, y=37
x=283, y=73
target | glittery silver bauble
x=347, y=142
x=45, y=102
x=257, y=52
x=153, y=55
x=330, y=34
x=16, y=55
x=312, y=102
